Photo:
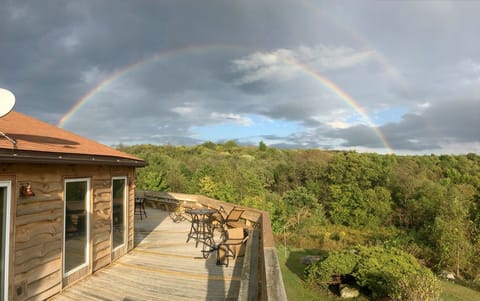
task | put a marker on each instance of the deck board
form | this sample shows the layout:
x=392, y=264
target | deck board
x=161, y=267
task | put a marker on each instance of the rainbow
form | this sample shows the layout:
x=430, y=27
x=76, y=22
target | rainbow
x=388, y=67
x=327, y=83
x=345, y=97
x=125, y=70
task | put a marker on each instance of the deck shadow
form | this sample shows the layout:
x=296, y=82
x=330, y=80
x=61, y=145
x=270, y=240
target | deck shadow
x=146, y=225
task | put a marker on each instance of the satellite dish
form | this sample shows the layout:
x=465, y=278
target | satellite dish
x=7, y=101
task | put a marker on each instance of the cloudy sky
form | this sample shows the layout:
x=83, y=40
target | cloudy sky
x=378, y=76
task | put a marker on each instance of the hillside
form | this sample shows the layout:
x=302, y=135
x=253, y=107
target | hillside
x=427, y=206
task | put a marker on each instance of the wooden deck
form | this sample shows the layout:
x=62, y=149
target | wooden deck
x=161, y=267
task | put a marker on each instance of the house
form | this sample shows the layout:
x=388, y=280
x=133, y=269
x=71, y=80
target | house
x=67, y=207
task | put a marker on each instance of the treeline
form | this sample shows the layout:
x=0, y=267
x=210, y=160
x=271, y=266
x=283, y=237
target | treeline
x=425, y=205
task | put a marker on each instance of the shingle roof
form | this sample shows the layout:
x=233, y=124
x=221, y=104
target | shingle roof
x=37, y=138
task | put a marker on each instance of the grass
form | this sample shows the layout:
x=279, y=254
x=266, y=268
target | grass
x=298, y=290
x=292, y=272
x=455, y=292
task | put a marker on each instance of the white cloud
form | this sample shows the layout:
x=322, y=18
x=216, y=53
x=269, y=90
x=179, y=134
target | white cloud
x=244, y=121
x=263, y=66
x=421, y=107
x=92, y=75
x=281, y=64
x=185, y=110
x=69, y=42
x=338, y=124
x=332, y=58
x=469, y=72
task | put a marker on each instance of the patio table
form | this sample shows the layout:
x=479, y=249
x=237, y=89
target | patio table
x=201, y=228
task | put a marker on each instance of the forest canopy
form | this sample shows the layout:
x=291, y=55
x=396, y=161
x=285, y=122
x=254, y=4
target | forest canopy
x=428, y=206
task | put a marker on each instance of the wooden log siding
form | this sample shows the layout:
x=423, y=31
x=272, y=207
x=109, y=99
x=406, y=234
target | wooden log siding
x=102, y=223
x=38, y=222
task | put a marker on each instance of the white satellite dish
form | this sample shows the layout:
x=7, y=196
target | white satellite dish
x=7, y=101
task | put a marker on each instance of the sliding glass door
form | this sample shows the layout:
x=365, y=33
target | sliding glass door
x=5, y=190
x=119, y=196
x=77, y=230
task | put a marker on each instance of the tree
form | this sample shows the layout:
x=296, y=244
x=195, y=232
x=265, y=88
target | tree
x=153, y=180
x=262, y=146
x=301, y=204
x=453, y=230
x=351, y=206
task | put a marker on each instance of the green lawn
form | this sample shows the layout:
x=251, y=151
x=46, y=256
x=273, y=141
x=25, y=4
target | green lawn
x=297, y=289
x=292, y=273
x=455, y=292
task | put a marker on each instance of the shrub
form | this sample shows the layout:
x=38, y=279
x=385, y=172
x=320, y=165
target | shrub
x=337, y=263
x=385, y=272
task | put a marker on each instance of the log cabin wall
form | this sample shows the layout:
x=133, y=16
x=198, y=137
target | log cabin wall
x=37, y=224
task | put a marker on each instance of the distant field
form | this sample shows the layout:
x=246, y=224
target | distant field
x=298, y=290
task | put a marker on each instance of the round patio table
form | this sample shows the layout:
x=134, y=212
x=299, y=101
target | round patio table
x=201, y=228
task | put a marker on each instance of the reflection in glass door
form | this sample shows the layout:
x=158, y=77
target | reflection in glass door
x=118, y=212
x=5, y=188
x=76, y=232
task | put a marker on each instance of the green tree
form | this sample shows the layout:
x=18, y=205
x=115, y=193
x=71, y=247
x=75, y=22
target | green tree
x=301, y=205
x=153, y=180
x=352, y=206
x=262, y=146
x=453, y=230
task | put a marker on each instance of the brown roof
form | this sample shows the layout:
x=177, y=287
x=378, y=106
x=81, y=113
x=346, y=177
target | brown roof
x=38, y=141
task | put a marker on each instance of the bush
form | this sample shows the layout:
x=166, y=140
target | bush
x=385, y=272
x=337, y=263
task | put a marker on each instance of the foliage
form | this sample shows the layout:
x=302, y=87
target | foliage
x=302, y=207
x=385, y=272
x=293, y=277
x=337, y=263
x=352, y=206
x=431, y=203
x=452, y=230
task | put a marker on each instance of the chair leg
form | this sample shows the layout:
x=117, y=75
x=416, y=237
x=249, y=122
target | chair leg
x=222, y=255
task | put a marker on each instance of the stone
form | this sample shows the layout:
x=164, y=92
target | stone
x=448, y=275
x=310, y=259
x=349, y=292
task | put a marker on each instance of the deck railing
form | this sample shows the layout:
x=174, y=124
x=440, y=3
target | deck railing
x=261, y=275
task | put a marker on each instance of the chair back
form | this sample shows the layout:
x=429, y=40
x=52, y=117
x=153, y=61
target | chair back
x=235, y=215
x=235, y=234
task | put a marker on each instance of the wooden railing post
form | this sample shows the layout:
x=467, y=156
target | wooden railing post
x=250, y=276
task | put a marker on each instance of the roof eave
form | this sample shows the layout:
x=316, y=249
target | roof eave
x=15, y=156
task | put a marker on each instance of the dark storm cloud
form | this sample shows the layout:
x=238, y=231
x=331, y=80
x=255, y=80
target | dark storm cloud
x=454, y=121
x=54, y=52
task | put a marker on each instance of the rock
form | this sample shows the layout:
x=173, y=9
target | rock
x=448, y=275
x=349, y=292
x=310, y=259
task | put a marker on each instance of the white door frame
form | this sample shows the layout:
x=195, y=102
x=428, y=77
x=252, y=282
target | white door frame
x=125, y=222
x=8, y=185
x=87, y=225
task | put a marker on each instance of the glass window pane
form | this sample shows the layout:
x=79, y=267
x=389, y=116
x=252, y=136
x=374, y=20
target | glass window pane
x=75, y=224
x=118, y=215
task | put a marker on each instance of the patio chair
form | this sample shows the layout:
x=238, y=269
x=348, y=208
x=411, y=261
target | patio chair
x=219, y=219
x=140, y=207
x=232, y=247
x=233, y=218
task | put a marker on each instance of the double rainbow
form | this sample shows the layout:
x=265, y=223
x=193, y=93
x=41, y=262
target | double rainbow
x=327, y=83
